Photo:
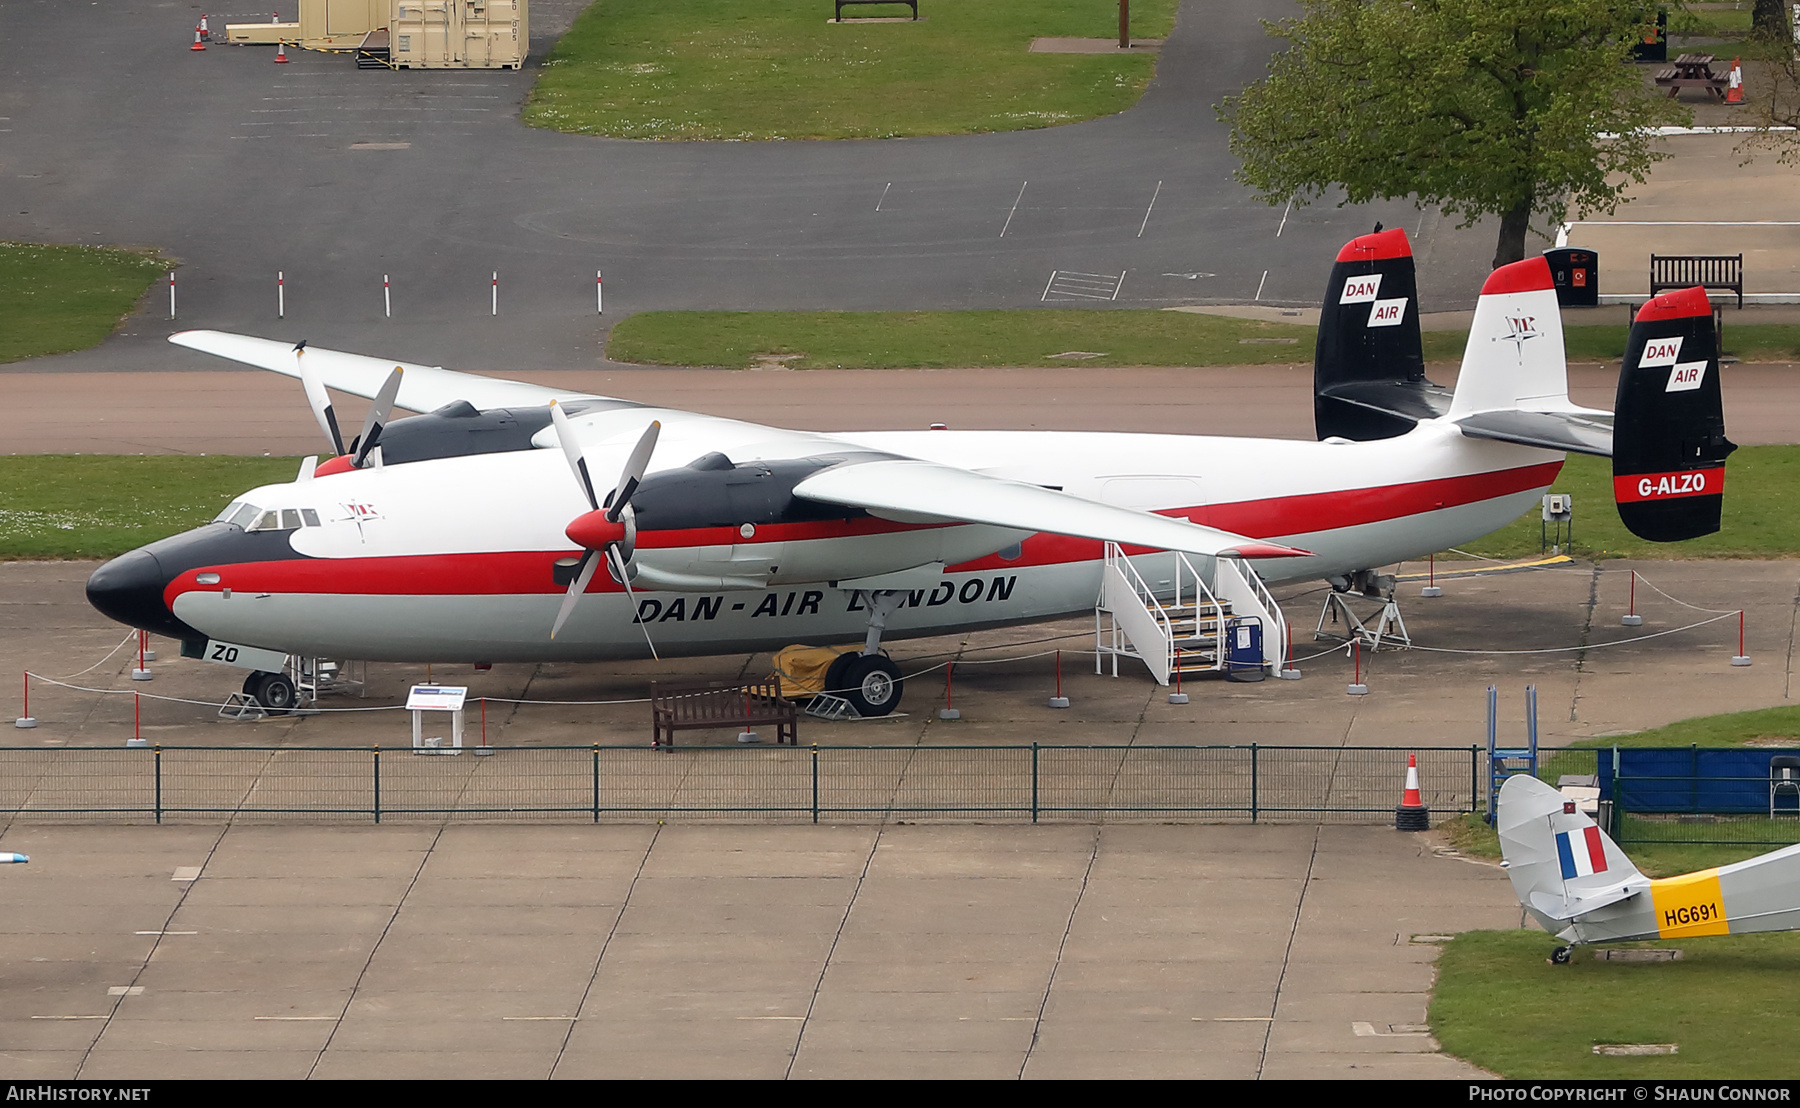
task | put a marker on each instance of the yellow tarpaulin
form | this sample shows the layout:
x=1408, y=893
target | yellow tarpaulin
x=801, y=669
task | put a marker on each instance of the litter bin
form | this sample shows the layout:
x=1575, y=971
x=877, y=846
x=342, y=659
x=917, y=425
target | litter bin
x=1653, y=44
x=1577, y=275
x=1244, y=649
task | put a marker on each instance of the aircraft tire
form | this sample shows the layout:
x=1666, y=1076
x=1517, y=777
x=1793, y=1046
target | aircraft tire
x=1560, y=956
x=837, y=674
x=872, y=685
x=274, y=691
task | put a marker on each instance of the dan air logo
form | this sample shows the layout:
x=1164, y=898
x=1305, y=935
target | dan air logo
x=1387, y=313
x=1661, y=352
x=1520, y=329
x=359, y=514
x=1685, y=376
x=1360, y=290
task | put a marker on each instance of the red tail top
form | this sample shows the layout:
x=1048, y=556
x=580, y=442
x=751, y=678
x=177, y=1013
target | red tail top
x=1381, y=244
x=1679, y=304
x=1530, y=275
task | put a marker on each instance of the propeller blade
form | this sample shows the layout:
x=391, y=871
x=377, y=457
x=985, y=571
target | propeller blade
x=319, y=399
x=565, y=436
x=617, y=561
x=378, y=417
x=633, y=473
x=590, y=561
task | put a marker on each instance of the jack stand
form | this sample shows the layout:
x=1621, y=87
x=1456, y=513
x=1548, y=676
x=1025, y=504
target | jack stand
x=1389, y=625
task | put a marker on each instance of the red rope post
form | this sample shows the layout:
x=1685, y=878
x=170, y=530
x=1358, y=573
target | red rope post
x=949, y=680
x=1059, y=673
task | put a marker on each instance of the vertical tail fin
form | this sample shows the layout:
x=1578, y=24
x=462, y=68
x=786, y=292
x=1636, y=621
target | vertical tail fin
x=1669, y=444
x=1514, y=358
x=1368, y=348
x=1559, y=862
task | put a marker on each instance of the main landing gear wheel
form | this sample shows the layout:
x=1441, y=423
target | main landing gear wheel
x=870, y=682
x=274, y=691
x=1560, y=956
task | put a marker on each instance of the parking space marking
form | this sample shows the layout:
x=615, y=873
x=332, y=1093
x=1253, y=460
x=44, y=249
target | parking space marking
x=1068, y=285
x=1150, y=209
x=1015, y=209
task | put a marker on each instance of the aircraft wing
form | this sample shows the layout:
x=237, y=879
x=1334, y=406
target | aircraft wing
x=422, y=388
x=919, y=491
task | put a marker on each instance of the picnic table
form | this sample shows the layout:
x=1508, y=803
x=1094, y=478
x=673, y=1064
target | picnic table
x=1692, y=71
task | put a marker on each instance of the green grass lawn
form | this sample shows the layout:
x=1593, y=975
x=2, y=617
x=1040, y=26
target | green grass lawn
x=1759, y=518
x=1127, y=336
x=777, y=69
x=63, y=298
x=98, y=506
x=936, y=340
x=1727, y=1005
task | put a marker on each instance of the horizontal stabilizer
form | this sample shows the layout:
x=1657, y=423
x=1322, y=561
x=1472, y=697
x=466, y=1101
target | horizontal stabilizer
x=1585, y=433
x=1407, y=400
x=921, y=491
x=1560, y=907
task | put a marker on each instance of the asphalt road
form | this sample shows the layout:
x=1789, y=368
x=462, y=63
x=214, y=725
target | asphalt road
x=112, y=131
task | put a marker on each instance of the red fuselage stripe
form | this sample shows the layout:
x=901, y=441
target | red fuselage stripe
x=519, y=572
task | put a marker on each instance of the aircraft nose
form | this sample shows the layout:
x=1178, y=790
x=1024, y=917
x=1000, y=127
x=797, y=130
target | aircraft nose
x=130, y=589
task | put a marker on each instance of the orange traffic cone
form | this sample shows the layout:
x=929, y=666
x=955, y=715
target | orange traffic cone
x=281, y=53
x=1734, y=91
x=198, y=44
x=1412, y=815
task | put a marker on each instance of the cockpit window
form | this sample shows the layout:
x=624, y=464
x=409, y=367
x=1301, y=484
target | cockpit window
x=244, y=515
x=224, y=516
x=268, y=521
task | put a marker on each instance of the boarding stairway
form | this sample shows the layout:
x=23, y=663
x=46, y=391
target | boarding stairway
x=1161, y=610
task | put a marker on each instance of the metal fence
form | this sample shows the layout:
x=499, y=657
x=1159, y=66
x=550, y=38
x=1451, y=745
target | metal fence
x=1036, y=783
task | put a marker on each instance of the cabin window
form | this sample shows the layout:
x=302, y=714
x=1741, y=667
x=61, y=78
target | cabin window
x=311, y=517
x=290, y=519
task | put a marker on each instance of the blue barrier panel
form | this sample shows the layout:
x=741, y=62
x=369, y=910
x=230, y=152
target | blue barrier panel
x=1691, y=779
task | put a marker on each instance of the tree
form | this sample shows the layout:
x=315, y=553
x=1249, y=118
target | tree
x=1482, y=107
x=1768, y=19
x=1772, y=85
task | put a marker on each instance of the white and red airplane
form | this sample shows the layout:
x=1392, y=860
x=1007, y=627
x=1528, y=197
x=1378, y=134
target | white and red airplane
x=461, y=536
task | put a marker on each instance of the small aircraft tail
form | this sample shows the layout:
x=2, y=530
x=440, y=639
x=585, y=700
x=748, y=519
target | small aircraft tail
x=1561, y=864
x=1369, y=368
x=1669, y=445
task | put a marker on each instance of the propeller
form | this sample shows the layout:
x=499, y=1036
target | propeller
x=320, y=402
x=377, y=419
x=609, y=529
x=319, y=399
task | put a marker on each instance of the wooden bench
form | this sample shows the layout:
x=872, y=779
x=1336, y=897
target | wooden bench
x=1684, y=271
x=913, y=4
x=709, y=706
